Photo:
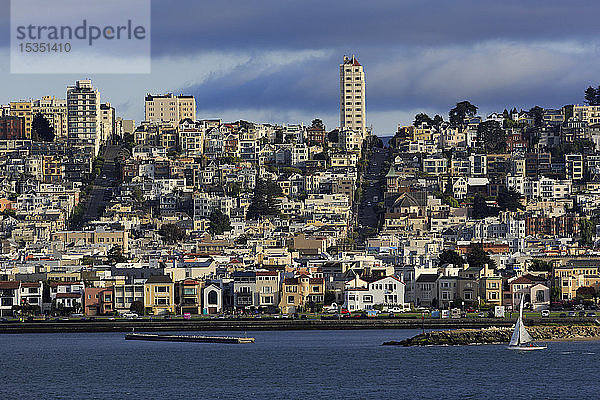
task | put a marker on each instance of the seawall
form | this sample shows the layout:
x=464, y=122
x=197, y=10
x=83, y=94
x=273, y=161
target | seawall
x=142, y=325
x=500, y=335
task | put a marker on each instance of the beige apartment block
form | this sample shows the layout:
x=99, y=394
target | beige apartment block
x=353, y=114
x=23, y=109
x=55, y=111
x=169, y=108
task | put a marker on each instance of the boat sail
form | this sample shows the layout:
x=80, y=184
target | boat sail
x=521, y=339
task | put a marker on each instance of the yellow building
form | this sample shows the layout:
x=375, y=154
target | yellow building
x=23, y=109
x=490, y=287
x=159, y=295
x=52, y=169
x=301, y=292
x=97, y=237
x=569, y=278
x=55, y=111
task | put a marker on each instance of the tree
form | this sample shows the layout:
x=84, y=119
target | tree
x=540, y=265
x=591, y=96
x=234, y=189
x=437, y=120
x=115, y=255
x=492, y=135
x=586, y=292
x=421, y=118
x=333, y=136
x=41, y=129
x=171, y=233
x=263, y=199
x=317, y=124
x=138, y=195
x=137, y=307
x=477, y=258
x=586, y=232
x=462, y=110
x=450, y=257
x=481, y=208
x=537, y=113
x=509, y=199
x=278, y=137
x=219, y=223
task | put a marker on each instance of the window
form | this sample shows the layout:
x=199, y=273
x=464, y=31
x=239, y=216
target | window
x=161, y=301
x=367, y=298
x=161, y=289
x=212, y=297
x=539, y=296
x=290, y=300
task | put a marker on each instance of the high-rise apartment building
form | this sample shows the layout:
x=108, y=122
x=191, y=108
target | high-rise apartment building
x=22, y=109
x=84, y=122
x=55, y=111
x=107, y=122
x=352, y=103
x=170, y=108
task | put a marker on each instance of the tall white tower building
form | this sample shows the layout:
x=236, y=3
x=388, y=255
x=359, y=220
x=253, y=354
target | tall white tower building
x=83, y=116
x=353, y=114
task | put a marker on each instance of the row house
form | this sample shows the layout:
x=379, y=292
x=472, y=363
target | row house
x=387, y=292
x=301, y=292
x=18, y=293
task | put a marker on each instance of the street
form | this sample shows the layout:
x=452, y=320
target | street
x=372, y=194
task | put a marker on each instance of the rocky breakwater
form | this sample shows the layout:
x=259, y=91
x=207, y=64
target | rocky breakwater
x=499, y=335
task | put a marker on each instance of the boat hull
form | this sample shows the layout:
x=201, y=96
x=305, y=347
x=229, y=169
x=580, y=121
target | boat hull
x=178, y=338
x=527, y=348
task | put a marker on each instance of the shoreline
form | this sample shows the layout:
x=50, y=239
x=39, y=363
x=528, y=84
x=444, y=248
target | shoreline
x=501, y=335
x=142, y=325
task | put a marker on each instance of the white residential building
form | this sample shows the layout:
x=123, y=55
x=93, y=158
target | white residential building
x=387, y=292
x=353, y=114
x=84, y=122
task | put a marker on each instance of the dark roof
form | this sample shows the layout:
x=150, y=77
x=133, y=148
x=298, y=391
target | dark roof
x=68, y=295
x=159, y=279
x=10, y=285
x=427, y=278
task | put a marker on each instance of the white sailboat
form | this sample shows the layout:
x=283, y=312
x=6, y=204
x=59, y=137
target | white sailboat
x=521, y=339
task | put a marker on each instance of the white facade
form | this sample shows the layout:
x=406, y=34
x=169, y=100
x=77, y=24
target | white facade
x=388, y=292
x=84, y=122
x=353, y=115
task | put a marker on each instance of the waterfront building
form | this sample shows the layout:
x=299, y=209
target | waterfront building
x=159, y=295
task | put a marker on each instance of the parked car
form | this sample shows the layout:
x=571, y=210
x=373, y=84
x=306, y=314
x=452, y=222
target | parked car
x=571, y=313
x=481, y=314
x=591, y=314
x=130, y=315
x=581, y=313
x=545, y=313
x=562, y=315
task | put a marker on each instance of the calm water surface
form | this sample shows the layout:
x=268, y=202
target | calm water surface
x=289, y=365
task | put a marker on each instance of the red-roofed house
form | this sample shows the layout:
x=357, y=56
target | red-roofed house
x=67, y=294
x=98, y=301
x=535, y=290
x=9, y=297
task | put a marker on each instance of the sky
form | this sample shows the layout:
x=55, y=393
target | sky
x=277, y=61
